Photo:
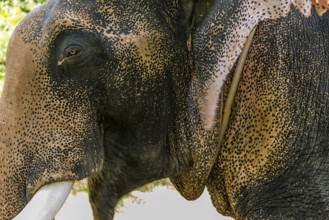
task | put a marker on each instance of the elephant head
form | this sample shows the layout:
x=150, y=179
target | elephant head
x=120, y=92
x=97, y=89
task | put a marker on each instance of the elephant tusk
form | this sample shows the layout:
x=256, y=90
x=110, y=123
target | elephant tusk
x=46, y=202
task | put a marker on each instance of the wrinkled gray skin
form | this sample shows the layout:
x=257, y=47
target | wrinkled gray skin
x=120, y=92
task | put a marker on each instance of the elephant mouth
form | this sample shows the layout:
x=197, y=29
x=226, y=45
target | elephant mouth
x=46, y=202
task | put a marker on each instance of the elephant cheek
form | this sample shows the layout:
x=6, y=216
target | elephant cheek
x=27, y=163
x=30, y=160
x=75, y=161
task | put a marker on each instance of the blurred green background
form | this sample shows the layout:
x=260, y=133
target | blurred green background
x=11, y=12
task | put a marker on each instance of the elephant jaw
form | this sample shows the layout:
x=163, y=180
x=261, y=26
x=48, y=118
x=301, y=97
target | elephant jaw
x=46, y=202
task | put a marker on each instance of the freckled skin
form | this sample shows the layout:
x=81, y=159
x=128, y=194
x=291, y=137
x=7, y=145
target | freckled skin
x=108, y=90
x=102, y=90
x=273, y=163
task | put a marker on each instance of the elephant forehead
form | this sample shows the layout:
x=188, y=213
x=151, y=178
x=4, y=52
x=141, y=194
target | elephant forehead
x=127, y=32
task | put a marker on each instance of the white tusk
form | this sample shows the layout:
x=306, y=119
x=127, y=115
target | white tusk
x=45, y=204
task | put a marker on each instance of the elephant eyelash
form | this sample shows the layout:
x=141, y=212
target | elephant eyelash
x=70, y=52
x=73, y=52
x=60, y=62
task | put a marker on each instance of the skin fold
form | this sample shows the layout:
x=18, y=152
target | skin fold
x=116, y=91
x=273, y=163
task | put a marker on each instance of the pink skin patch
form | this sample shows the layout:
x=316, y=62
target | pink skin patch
x=321, y=6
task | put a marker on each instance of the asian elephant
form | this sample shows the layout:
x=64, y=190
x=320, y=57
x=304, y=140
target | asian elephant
x=125, y=92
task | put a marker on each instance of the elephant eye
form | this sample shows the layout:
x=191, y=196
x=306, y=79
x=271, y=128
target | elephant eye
x=71, y=55
x=72, y=51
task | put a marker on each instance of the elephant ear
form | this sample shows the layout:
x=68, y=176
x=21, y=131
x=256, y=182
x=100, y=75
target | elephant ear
x=218, y=31
x=218, y=37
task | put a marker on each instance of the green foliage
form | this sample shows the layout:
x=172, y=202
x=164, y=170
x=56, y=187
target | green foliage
x=146, y=188
x=82, y=186
x=24, y=5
